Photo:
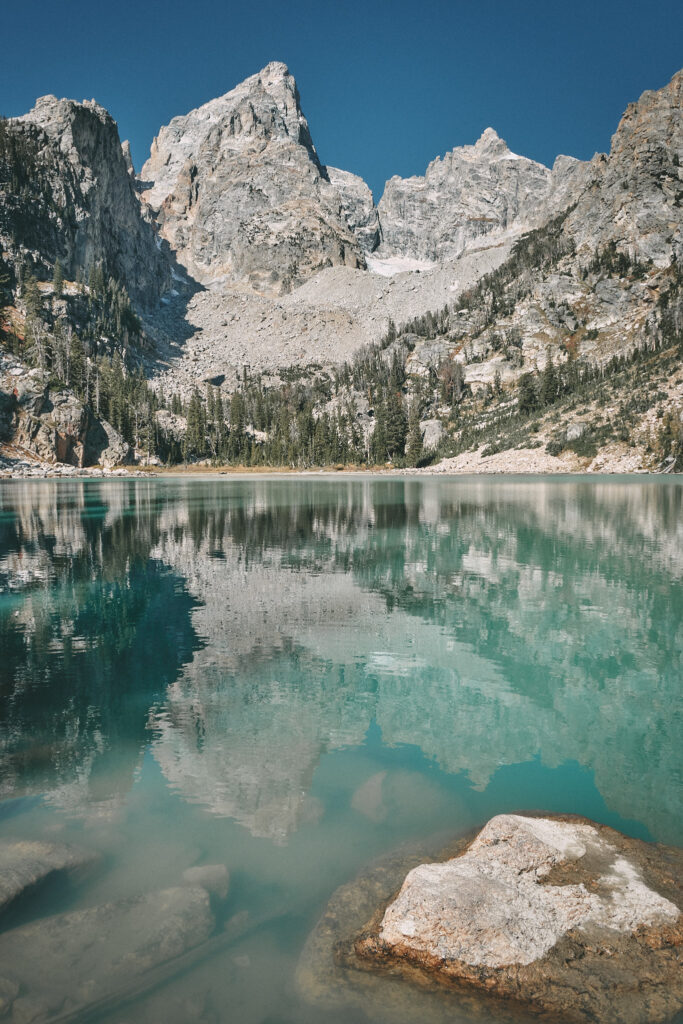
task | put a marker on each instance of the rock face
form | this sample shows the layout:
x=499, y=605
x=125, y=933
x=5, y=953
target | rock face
x=565, y=915
x=89, y=954
x=239, y=192
x=470, y=192
x=432, y=433
x=80, y=205
x=633, y=197
x=26, y=864
x=358, y=207
x=55, y=426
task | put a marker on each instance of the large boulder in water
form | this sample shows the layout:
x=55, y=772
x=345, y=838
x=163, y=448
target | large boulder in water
x=549, y=914
x=568, y=916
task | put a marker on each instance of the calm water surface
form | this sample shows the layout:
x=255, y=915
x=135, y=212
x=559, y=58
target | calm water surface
x=294, y=676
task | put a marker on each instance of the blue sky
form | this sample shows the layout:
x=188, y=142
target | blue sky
x=386, y=85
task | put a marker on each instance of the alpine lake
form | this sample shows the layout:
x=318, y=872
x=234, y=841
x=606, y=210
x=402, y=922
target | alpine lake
x=296, y=676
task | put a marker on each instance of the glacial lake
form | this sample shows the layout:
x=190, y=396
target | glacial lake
x=294, y=676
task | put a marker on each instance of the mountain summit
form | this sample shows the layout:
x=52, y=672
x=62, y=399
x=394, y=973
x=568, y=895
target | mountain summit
x=240, y=194
x=470, y=192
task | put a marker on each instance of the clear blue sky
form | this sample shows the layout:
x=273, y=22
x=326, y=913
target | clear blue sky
x=386, y=85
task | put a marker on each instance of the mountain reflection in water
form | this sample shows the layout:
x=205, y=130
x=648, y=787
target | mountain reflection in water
x=241, y=630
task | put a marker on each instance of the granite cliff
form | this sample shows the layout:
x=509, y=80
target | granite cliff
x=66, y=195
x=239, y=192
x=471, y=192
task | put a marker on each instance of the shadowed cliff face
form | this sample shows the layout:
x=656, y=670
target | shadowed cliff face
x=492, y=628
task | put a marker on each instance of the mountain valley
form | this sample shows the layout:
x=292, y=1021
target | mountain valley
x=239, y=302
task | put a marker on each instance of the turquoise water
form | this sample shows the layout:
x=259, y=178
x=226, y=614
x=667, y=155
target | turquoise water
x=293, y=676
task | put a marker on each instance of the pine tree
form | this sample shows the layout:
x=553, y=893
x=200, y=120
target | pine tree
x=5, y=288
x=195, y=434
x=396, y=425
x=415, y=448
x=96, y=280
x=30, y=293
x=548, y=390
x=58, y=280
x=236, y=437
x=219, y=415
x=527, y=399
x=321, y=442
x=378, y=441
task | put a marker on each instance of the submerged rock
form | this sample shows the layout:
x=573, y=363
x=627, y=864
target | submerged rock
x=565, y=915
x=25, y=864
x=215, y=878
x=9, y=990
x=69, y=961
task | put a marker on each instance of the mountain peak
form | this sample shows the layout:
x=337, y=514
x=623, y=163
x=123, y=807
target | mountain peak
x=238, y=180
x=490, y=141
x=488, y=135
x=275, y=69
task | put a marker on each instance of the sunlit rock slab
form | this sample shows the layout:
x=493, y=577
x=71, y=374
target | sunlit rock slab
x=547, y=914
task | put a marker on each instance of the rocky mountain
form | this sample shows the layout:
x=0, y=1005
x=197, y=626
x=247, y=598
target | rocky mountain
x=268, y=263
x=634, y=196
x=471, y=192
x=66, y=194
x=358, y=207
x=240, y=194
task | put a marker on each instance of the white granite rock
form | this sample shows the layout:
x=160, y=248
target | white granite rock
x=471, y=192
x=27, y=863
x=240, y=194
x=491, y=906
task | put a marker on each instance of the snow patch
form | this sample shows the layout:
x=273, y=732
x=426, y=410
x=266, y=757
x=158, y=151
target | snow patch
x=396, y=265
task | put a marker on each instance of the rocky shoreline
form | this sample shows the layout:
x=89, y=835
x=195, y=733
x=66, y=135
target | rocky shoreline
x=23, y=469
